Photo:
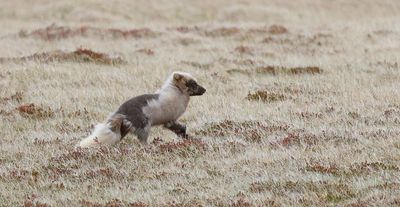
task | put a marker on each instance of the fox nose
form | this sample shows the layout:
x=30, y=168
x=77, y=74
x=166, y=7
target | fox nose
x=202, y=90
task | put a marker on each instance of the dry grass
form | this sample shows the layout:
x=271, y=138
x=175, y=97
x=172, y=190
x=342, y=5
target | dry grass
x=302, y=105
x=79, y=55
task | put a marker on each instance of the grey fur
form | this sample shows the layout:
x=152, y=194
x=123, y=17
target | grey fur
x=135, y=120
x=143, y=133
x=194, y=88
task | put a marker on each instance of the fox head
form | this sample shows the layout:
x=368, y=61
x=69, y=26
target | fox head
x=187, y=84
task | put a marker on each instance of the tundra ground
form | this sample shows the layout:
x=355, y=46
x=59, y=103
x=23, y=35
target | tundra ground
x=302, y=105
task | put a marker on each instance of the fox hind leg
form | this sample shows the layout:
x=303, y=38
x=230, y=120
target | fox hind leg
x=143, y=133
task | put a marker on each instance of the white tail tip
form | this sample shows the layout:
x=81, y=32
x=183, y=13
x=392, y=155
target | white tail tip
x=102, y=135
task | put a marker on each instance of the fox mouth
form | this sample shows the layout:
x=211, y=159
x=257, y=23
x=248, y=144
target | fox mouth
x=199, y=91
x=195, y=89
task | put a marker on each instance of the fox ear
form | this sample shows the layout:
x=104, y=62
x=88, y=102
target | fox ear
x=177, y=76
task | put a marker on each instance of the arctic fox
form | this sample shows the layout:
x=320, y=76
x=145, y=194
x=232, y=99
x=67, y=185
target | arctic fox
x=140, y=113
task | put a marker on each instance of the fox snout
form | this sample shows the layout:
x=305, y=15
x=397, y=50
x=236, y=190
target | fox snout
x=198, y=91
x=195, y=89
x=201, y=90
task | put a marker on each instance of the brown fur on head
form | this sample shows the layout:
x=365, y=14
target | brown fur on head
x=186, y=83
x=115, y=122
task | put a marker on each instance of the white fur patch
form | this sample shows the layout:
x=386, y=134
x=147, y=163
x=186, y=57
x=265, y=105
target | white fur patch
x=169, y=106
x=101, y=135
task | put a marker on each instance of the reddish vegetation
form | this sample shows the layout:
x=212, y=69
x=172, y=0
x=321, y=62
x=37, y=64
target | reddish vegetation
x=309, y=115
x=354, y=115
x=15, y=97
x=267, y=69
x=186, y=41
x=277, y=29
x=215, y=32
x=54, y=32
x=290, y=139
x=70, y=155
x=77, y=113
x=302, y=70
x=303, y=42
x=17, y=174
x=245, y=62
x=391, y=112
x=354, y=170
x=146, y=51
x=233, y=146
x=299, y=138
x=222, y=32
x=6, y=113
x=38, y=141
x=325, y=169
x=273, y=29
x=229, y=31
x=253, y=131
x=244, y=50
x=275, y=70
x=265, y=96
x=191, y=203
x=183, y=29
x=87, y=203
x=258, y=187
x=102, y=172
x=34, y=111
x=241, y=202
x=367, y=167
x=325, y=191
x=185, y=144
x=386, y=64
x=186, y=29
x=137, y=204
x=295, y=70
x=90, y=55
x=112, y=203
x=30, y=201
x=79, y=55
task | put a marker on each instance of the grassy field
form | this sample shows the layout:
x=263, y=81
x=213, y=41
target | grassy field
x=302, y=105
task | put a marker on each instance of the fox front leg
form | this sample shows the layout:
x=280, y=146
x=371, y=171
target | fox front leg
x=178, y=129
